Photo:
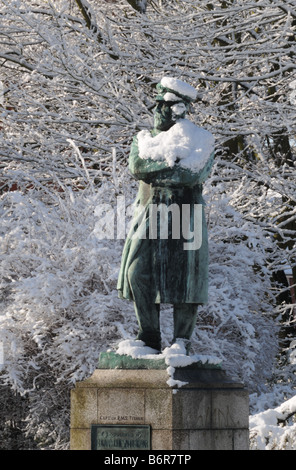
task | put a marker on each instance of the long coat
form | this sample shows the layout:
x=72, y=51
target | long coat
x=176, y=275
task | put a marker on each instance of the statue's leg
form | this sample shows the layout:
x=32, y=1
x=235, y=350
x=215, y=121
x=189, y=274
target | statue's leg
x=147, y=312
x=184, y=322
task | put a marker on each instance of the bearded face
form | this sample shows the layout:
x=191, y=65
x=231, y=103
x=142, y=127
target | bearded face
x=163, y=116
x=166, y=113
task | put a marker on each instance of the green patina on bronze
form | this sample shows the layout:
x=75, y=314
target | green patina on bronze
x=112, y=360
x=120, y=437
x=155, y=271
x=175, y=275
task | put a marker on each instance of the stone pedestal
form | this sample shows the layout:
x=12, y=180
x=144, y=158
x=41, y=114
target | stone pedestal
x=203, y=411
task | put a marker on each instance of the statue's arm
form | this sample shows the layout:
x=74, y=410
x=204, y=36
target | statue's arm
x=158, y=172
x=144, y=169
x=205, y=171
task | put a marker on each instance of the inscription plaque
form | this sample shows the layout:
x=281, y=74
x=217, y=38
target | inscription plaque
x=120, y=437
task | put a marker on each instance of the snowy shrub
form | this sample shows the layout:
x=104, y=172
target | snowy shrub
x=274, y=429
x=59, y=305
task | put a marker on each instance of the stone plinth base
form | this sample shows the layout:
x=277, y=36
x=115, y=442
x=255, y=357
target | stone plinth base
x=208, y=412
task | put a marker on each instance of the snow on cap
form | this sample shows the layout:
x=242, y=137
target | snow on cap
x=181, y=90
x=171, y=97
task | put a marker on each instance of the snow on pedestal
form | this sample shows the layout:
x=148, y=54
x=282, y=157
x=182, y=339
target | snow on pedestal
x=174, y=356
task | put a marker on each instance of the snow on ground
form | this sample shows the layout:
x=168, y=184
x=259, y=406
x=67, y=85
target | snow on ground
x=269, y=429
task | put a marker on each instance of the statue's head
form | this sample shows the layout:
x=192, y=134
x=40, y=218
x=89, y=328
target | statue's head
x=172, y=102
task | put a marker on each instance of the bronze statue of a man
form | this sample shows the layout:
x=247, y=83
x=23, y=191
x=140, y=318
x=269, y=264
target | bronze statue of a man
x=165, y=257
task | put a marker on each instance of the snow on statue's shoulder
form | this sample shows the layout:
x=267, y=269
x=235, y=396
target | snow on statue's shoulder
x=191, y=145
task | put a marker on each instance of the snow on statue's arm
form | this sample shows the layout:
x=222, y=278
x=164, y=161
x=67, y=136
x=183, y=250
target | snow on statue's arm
x=158, y=172
x=162, y=172
x=144, y=169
